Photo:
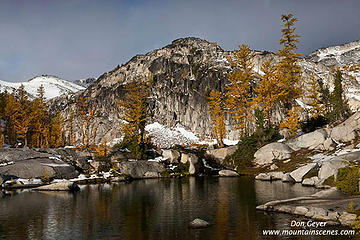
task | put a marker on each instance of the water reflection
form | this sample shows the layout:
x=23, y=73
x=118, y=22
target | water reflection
x=147, y=209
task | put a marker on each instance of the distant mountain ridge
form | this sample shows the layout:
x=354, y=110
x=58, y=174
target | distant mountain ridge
x=53, y=86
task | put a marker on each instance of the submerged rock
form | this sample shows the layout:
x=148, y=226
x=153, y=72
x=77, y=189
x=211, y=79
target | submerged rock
x=199, y=223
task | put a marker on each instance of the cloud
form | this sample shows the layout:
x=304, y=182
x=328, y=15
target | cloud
x=77, y=38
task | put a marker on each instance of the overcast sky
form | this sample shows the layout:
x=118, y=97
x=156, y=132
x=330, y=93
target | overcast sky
x=76, y=39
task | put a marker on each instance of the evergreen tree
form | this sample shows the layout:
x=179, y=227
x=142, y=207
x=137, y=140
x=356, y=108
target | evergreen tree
x=216, y=108
x=313, y=97
x=21, y=95
x=340, y=108
x=239, y=90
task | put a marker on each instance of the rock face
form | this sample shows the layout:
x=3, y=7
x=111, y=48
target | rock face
x=272, y=151
x=183, y=73
x=141, y=169
x=29, y=163
x=228, y=173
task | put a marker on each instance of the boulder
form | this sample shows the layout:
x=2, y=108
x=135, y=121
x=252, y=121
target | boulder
x=329, y=144
x=272, y=151
x=192, y=159
x=310, y=181
x=151, y=175
x=228, y=173
x=140, y=169
x=199, y=223
x=171, y=155
x=276, y=175
x=310, y=140
x=347, y=219
x=330, y=168
x=346, y=131
x=60, y=186
x=273, y=167
x=299, y=173
x=39, y=167
x=221, y=153
x=263, y=177
x=287, y=178
x=300, y=210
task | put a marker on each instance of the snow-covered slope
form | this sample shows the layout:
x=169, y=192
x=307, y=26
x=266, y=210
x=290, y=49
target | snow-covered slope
x=53, y=86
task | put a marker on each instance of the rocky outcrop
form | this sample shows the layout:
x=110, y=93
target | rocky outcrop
x=272, y=151
x=27, y=164
x=348, y=130
x=141, y=169
x=183, y=73
x=313, y=140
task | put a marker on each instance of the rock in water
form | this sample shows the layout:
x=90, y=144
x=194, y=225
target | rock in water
x=228, y=173
x=60, y=186
x=199, y=223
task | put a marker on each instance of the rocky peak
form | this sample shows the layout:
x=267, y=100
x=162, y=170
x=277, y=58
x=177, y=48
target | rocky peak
x=184, y=72
x=337, y=56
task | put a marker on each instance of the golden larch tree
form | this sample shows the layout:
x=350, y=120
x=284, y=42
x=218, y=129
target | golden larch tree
x=134, y=106
x=288, y=70
x=216, y=109
x=87, y=111
x=292, y=122
x=238, y=93
x=267, y=91
x=56, y=130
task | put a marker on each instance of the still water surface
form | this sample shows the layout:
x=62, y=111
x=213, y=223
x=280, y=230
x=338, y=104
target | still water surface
x=150, y=209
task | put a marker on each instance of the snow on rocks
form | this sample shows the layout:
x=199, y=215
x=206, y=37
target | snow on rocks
x=164, y=137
